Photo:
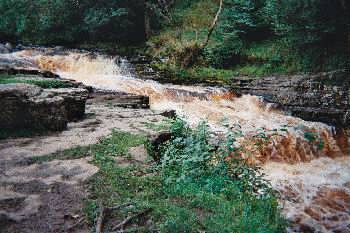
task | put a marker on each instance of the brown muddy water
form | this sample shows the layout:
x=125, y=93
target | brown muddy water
x=313, y=176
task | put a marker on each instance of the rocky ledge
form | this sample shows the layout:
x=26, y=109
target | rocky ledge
x=322, y=97
x=25, y=106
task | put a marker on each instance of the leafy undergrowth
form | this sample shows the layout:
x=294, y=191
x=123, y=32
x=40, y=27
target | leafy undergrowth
x=194, y=188
x=49, y=83
x=247, y=41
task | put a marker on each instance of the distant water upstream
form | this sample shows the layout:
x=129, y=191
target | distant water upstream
x=313, y=176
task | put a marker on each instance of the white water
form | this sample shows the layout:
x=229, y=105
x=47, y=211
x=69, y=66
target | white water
x=303, y=181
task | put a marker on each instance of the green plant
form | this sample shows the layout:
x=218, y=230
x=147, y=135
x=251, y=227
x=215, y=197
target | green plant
x=196, y=186
x=215, y=180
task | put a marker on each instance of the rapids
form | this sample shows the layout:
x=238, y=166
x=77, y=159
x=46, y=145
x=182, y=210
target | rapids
x=305, y=161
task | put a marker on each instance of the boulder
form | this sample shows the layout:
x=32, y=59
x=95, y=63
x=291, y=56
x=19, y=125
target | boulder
x=4, y=49
x=74, y=100
x=119, y=99
x=156, y=141
x=9, y=46
x=25, y=106
x=169, y=114
x=323, y=97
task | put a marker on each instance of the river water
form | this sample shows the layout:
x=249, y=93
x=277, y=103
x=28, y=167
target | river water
x=312, y=174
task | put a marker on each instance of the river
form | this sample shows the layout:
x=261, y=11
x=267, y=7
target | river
x=312, y=175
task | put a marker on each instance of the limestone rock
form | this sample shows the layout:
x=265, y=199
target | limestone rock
x=25, y=106
x=74, y=101
x=322, y=97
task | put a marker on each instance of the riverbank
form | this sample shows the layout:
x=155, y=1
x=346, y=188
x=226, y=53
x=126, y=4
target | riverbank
x=43, y=183
x=264, y=133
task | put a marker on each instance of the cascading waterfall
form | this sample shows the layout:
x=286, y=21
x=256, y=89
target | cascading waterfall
x=305, y=187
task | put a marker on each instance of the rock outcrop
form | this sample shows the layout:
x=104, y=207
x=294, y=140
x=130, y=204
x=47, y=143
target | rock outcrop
x=25, y=106
x=119, y=99
x=6, y=48
x=322, y=97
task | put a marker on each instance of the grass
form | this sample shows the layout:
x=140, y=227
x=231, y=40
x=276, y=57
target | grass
x=49, y=83
x=163, y=125
x=175, y=207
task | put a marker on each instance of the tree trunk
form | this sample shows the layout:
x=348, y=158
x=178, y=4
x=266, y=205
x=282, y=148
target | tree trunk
x=212, y=27
x=147, y=26
x=192, y=53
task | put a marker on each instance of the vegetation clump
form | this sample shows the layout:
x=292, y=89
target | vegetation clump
x=195, y=187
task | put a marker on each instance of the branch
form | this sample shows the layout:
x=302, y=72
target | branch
x=212, y=27
x=100, y=220
x=128, y=219
x=78, y=223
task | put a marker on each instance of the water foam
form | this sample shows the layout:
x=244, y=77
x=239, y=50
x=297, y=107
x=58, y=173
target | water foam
x=304, y=186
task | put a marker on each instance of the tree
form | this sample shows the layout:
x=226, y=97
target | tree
x=317, y=30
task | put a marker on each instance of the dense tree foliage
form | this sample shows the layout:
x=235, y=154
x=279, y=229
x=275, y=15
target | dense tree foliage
x=71, y=21
x=277, y=35
x=262, y=36
x=310, y=30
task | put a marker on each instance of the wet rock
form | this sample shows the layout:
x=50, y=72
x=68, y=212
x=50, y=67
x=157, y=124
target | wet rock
x=169, y=114
x=4, y=49
x=156, y=141
x=118, y=99
x=322, y=97
x=74, y=101
x=9, y=46
x=25, y=106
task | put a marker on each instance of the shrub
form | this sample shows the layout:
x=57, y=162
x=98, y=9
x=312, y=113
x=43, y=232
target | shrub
x=196, y=186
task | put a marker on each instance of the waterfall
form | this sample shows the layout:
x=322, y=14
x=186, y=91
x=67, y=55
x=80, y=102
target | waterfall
x=307, y=185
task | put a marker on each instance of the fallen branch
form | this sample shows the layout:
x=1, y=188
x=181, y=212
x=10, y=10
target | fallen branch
x=128, y=219
x=78, y=223
x=100, y=220
x=120, y=206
